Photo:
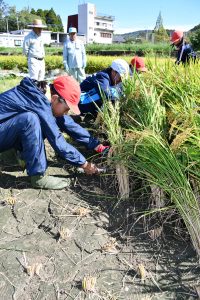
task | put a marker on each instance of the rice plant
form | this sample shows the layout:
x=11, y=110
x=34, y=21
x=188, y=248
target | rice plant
x=151, y=157
x=159, y=129
x=142, y=106
x=111, y=121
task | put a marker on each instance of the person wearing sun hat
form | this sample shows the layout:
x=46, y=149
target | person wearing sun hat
x=137, y=64
x=107, y=82
x=74, y=56
x=185, y=51
x=33, y=111
x=33, y=49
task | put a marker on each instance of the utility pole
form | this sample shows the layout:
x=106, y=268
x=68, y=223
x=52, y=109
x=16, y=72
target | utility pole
x=17, y=22
x=7, y=25
x=7, y=39
x=147, y=36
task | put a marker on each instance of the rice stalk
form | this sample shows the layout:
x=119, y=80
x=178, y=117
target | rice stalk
x=153, y=159
x=144, y=109
x=123, y=181
x=180, y=139
x=111, y=118
x=147, y=112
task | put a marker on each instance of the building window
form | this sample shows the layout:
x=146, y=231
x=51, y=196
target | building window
x=91, y=12
x=105, y=35
x=97, y=23
x=17, y=42
x=90, y=28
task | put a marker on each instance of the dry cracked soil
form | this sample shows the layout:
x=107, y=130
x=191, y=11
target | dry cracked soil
x=83, y=243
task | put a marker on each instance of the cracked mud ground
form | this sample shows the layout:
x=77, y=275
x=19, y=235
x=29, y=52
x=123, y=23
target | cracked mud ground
x=82, y=243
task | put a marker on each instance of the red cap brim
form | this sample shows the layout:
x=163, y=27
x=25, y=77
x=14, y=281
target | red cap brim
x=142, y=69
x=172, y=42
x=73, y=108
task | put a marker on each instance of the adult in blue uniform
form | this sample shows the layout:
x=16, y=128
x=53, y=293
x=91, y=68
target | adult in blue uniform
x=104, y=83
x=74, y=56
x=27, y=116
x=185, y=51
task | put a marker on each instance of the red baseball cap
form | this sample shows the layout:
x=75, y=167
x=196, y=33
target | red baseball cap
x=138, y=63
x=176, y=36
x=69, y=89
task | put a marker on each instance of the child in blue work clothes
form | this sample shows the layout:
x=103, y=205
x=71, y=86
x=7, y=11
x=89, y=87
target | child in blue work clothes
x=104, y=83
x=29, y=113
x=185, y=51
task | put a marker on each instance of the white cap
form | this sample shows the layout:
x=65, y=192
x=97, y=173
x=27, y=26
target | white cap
x=121, y=67
x=72, y=29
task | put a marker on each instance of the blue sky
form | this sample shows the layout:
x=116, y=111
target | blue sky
x=130, y=15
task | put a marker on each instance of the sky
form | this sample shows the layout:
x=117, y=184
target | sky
x=130, y=15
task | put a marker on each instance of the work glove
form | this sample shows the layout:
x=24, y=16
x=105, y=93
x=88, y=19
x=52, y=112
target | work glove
x=90, y=168
x=102, y=149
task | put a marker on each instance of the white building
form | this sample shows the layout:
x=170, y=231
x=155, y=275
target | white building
x=16, y=38
x=11, y=40
x=97, y=28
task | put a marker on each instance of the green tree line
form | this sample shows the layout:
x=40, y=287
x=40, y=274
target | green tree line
x=11, y=19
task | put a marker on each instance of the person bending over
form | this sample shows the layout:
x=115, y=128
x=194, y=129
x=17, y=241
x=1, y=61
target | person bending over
x=27, y=116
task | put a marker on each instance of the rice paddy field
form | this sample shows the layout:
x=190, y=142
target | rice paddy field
x=131, y=233
x=155, y=134
x=18, y=63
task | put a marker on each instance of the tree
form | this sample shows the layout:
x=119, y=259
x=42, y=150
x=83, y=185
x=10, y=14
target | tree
x=159, y=32
x=195, y=28
x=60, y=25
x=33, y=12
x=195, y=39
x=11, y=19
x=25, y=18
x=53, y=21
x=40, y=13
x=161, y=35
x=3, y=16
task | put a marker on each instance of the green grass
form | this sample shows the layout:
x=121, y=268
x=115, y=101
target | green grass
x=146, y=48
x=7, y=83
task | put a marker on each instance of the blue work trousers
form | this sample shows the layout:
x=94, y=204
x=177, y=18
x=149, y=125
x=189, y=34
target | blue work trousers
x=23, y=132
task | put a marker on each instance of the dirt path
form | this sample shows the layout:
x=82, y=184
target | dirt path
x=52, y=241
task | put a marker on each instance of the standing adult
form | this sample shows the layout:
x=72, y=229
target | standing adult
x=74, y=56
x=185, y=51
x=33, y=48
